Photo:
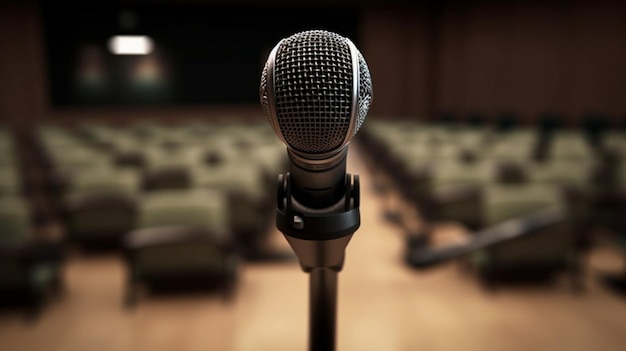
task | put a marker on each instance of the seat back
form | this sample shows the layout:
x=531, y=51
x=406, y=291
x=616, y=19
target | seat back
x=561, y=173
x=170, y=168
x=101, y=204
x=504, y=202
x=185, y=257
x=454, y=191
x=15, y=220
x=10, y=182
x=15, y=231
x=247, y=196
x=188, y=208
x=551, y=247
x=181, y=232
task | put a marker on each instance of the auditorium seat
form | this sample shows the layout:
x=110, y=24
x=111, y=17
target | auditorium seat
x=145, y=131
x=128, y=152
x=182, y=240
x=454, y=189
x=612, y=153
x=506, y=121
x=550, y=121
x=97, y=135
x=570, y=145
x=10, y=181
x=595, y=125
x=475, y=119
x=574, y=180
x=7, y=149
x=63, y=162
x=100, y=205
x=446, y=118
x=170, y=168
x=30, y=267
x=248, y=198
x=537, y=255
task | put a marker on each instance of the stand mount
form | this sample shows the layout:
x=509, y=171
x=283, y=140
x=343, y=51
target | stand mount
x=319, y=238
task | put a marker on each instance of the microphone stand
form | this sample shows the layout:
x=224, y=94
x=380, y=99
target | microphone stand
x=319, y=239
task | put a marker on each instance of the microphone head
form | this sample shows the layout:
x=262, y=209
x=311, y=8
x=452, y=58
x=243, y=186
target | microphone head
x=316, y=90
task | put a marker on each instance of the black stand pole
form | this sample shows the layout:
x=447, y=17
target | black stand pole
x=322, y=309
x=319, y=239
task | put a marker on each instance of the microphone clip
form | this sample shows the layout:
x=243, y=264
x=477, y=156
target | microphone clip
x=318, y=236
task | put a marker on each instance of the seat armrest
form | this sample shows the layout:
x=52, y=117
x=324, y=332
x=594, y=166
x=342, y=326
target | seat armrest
x=438, y=200
x=78, y=202
x=158, y=236
x=505, y=231
x=34, y=250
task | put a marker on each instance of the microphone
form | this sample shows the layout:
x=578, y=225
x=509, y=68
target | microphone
x=316, y=90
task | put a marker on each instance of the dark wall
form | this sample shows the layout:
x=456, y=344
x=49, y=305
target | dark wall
x=397, y=44
x=202, y=53
x=565, y=56
x=22, y=73
x=529, y=57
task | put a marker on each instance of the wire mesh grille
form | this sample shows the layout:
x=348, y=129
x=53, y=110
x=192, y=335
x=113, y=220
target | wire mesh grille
x=313, y=87
x=365, y=93
x=313, y=91
x=263, y=92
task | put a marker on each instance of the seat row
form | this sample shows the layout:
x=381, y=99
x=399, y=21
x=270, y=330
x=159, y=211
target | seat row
x=183, y=204
x=482, y=178
x=90, y=183
x=30, y=265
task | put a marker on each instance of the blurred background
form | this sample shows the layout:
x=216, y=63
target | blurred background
x=137, y=177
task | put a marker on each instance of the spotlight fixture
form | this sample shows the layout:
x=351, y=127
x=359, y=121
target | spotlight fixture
x=131, y=45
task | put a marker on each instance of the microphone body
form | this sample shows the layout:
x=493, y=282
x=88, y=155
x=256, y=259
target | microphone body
x=316, y=91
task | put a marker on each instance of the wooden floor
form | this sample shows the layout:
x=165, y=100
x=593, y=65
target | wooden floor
x=382, y=306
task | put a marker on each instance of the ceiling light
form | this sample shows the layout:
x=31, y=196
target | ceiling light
x=131, y=45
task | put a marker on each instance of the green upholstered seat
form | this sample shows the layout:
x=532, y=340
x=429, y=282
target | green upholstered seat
x=446, y=174
x=199, y=208
x=105, y=180
x=614, y=145
x=79, y=157
x=182, y=236
x=28, y=267
x=574, y=179
x=537, y=254
x=170, y=168
x=248, y=198
x=15, y=231
x=454, y=190
x=180, y=257
x=10, y=181
x=270, y=158
x=511, y=151
x=504, y=202
x=7, y=150
x=570, y=145
x=146, y=131
x=561, y=173
x=65, y=166
x=15, y=220
x=127, y=152
x=244, y=179
x=100, y=205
